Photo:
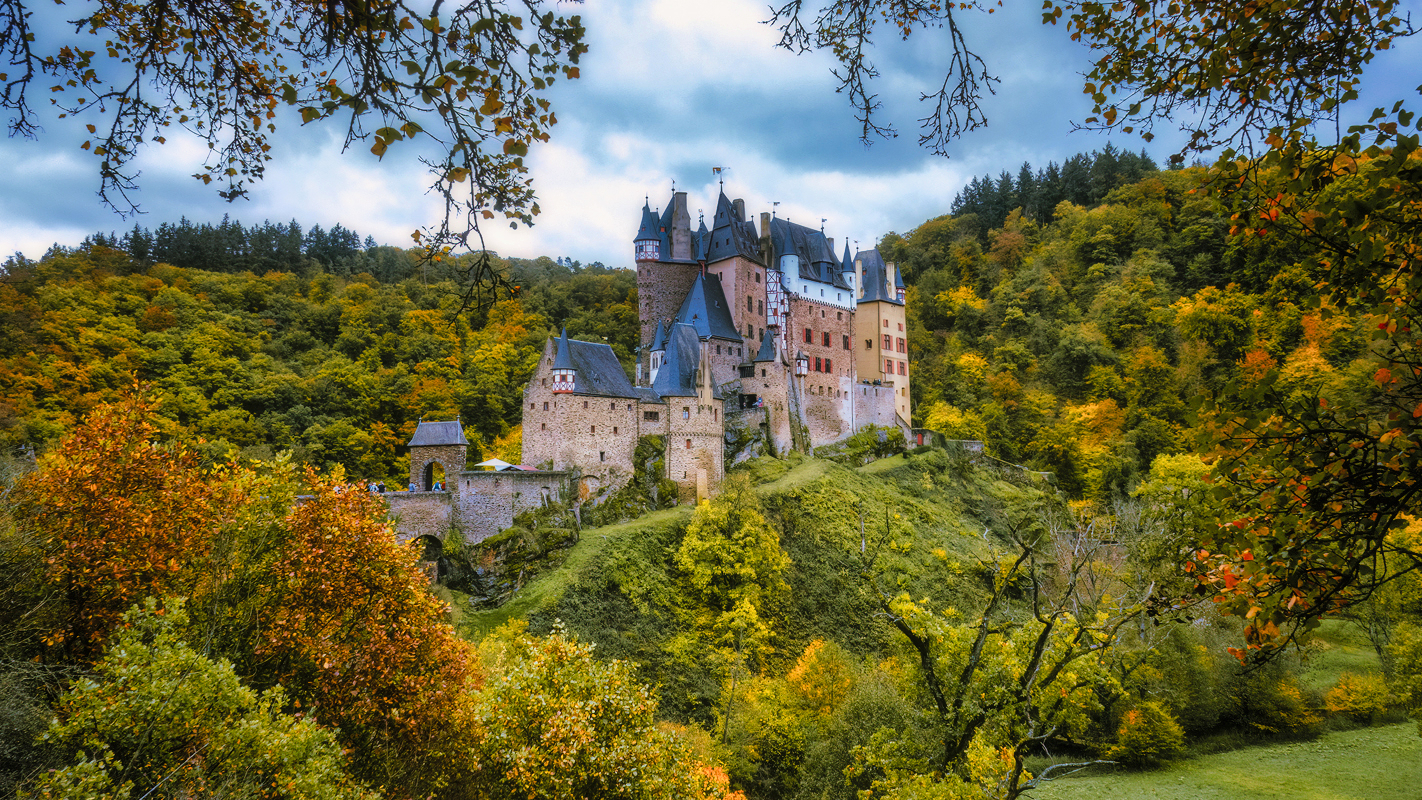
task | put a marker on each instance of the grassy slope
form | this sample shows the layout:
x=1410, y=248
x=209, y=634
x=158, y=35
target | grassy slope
x=618, y=587
x=1382, y=763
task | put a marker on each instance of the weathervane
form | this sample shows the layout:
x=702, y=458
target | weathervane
x=773, y=207
x=822, y=224
x=673, y=185
x=720, y=173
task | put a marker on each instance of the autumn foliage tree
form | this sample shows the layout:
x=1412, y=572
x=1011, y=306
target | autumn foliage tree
x=119, y=515
x=555, y=723
x=159, y=719
x=347, y=622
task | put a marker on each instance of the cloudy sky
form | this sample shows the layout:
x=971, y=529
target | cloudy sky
x=670, y=89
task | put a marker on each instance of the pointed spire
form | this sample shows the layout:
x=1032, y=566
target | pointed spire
x=847, y=263
x=659, y=341
x=564, y=360
x=648, y=229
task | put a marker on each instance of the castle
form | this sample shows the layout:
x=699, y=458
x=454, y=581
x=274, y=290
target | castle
x=754, y=339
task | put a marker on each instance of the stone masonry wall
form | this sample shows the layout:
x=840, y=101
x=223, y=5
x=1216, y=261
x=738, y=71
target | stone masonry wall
x=661, y=289
x=695, y=441
x=419, y=514
x=743, y=283
x=828, y=406
x=489, y=501
x=874, y=405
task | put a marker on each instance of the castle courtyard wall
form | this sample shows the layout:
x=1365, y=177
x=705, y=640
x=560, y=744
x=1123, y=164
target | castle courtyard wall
x=489, y=501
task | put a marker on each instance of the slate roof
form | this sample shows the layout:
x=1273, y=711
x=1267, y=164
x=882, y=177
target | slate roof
x=706, y=310
x=646, y=395
x=817, y=260
x=664, y=230
x=563, y=360
x=876, y=283
x=659, y=340
x=438, y=434
x=677, y=375
x=731, y=235
x=767, y=349
x=847, y=263
x=598, y=370
x=648, y=229
x=701, y=242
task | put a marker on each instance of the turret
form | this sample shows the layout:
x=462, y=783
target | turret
x=648, y=244
x=847, y=269
x=565, y=375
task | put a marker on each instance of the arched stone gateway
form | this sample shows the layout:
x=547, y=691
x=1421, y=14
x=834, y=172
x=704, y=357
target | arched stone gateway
x=477, y=503
x=433, y=475
x=429, y=547
x=437, y=454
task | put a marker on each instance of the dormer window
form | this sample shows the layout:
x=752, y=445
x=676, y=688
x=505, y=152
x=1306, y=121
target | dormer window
x=564, y=380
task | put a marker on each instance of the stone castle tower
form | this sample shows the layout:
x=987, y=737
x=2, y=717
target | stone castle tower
x=748, y=333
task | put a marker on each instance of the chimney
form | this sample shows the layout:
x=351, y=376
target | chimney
x=859, y=276
x=681, y=228
x=765, y=239
x=740, y=208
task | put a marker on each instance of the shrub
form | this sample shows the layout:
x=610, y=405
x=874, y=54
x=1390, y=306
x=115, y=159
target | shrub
x=1361, y=697
x=1149, y=736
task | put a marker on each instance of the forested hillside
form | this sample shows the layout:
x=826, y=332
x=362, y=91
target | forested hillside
x=1077, y=345
x=322, y=359
x=932, y=625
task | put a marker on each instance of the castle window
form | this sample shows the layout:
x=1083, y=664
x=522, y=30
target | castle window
x=901, y=326
x=889, y=366
x=545, y=426
x=888, y=342
x=593, y=430
x=757, y=277
x=825, y=340
x=688, y=447
x=545, y=383
x=809, y=336
x=686, y=412
x=629, y=406
x=585, y=404
x=900, y=342
x=748, y=303
x=822, y=294
x=715, y=414
x=760, y=306
x=828, y=366
x=903, y=368
x=545, y=405
x=651, y=416
x=839, y=315
x=601, y=455
x=868, y=344
x=818, y=367
x=614, y=430
x=718, y=349
x=822, y=312
x=886, y=323
x=750, y=330
x=846, y=341
x=530, y=406
x=762, y=333
x=762, y=373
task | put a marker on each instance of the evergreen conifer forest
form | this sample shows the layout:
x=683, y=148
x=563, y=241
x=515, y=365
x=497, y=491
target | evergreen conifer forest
x=930, y=624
